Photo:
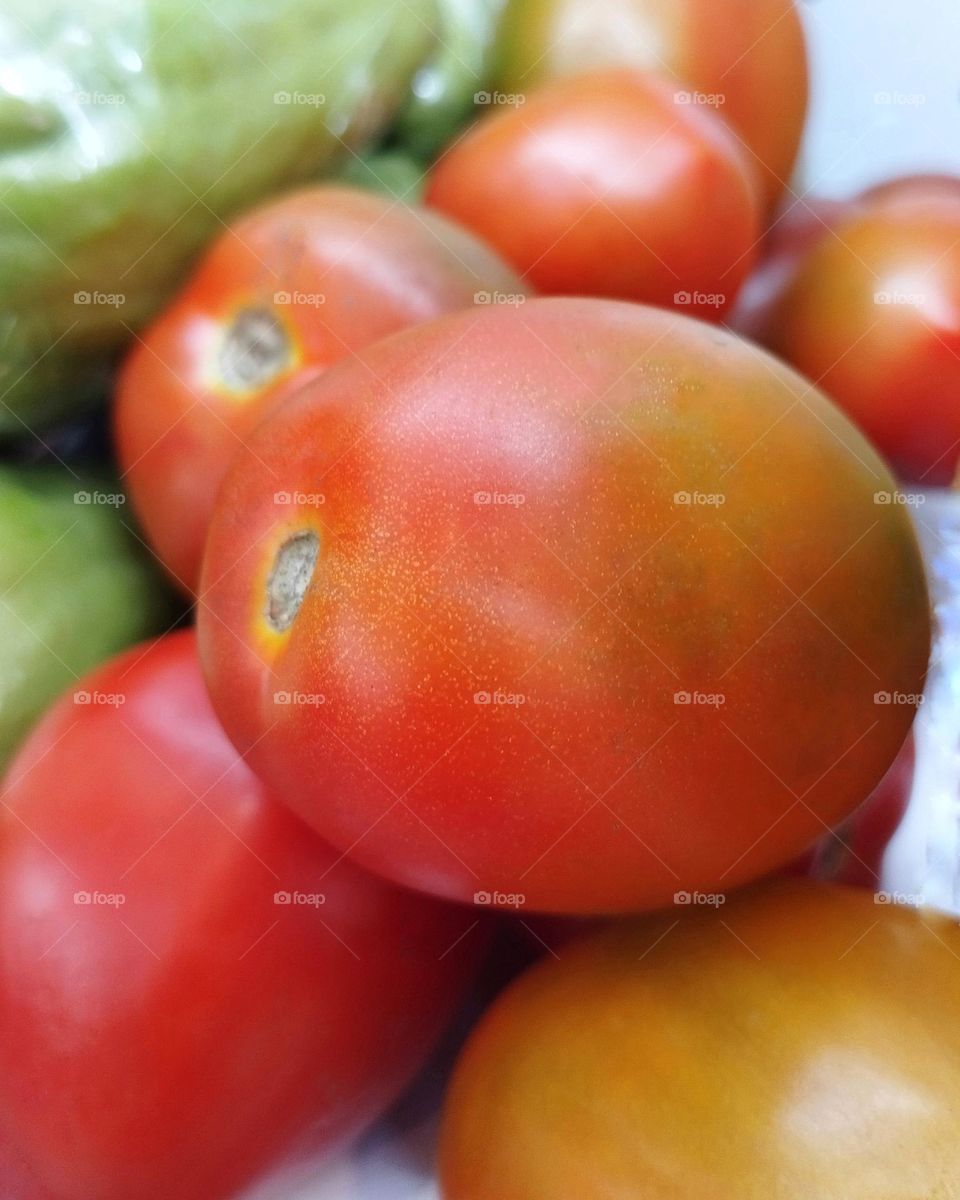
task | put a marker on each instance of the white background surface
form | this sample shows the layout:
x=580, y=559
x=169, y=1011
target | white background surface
x=885, y=101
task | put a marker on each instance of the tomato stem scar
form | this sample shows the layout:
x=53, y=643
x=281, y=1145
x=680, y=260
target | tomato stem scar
x=290, y=578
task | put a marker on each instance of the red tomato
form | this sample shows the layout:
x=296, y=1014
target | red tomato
x=873, y=316
x=796, y=1043
x=744, y=58
x=192, y=985
x=603, y=185
x=597, y=609
x=292, y=287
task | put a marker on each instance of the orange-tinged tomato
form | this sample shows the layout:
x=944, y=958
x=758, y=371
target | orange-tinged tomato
x=744, y=58
x=787, y=244
x=289, y=289
x=795, y=1043
x=931, y=186
x=604, y=185
x=596, y=608
x=872, y=316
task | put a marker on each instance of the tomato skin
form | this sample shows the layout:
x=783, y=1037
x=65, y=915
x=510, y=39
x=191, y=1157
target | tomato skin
x=910, y=188
x=473, y=718
x=873, y=317
x=179, y=1042
x=749, y=53
x=854, y=852
x=603, y=185
x=316, y=275
x=786, y=245
x=790, y=1045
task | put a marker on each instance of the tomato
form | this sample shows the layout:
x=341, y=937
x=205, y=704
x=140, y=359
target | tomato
x=191, y=984
x=598, y=607
x=603, y=185
x=787, y=243
x=854, y=852
x=789, y=1045
x=913, y=187
x=289, y=289
x=873, y=316
x=744, y=58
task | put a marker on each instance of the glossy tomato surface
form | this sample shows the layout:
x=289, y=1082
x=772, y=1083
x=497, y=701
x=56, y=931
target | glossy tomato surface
x=598, y=606
x=290, y=288
x=603, y=184
x=745, y=59
x=192, y=985
x=792, y=1044
x=873, y=317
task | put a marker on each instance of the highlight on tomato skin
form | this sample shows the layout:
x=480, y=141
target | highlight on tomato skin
x=546, y=650
x=787, y=1040
x=609, y=184
x=295, y=285
x=194, y=988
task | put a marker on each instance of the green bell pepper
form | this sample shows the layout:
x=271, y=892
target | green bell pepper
x=75, y=588
x=130, y=129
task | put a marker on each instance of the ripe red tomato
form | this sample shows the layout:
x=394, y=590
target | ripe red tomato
x=791, y=1043
x=603, y=185
x=744, y=58
x=192, y=985
x=597, y=609
x=290, y=288
x=872, y=315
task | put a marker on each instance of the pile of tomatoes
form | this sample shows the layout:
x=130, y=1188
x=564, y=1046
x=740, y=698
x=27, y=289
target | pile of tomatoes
x=552, y=586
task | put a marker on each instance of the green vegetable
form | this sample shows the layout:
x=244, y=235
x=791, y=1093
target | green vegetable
x=75, y=587
x=389, y=172
x=449, y=89
x=129, y=129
